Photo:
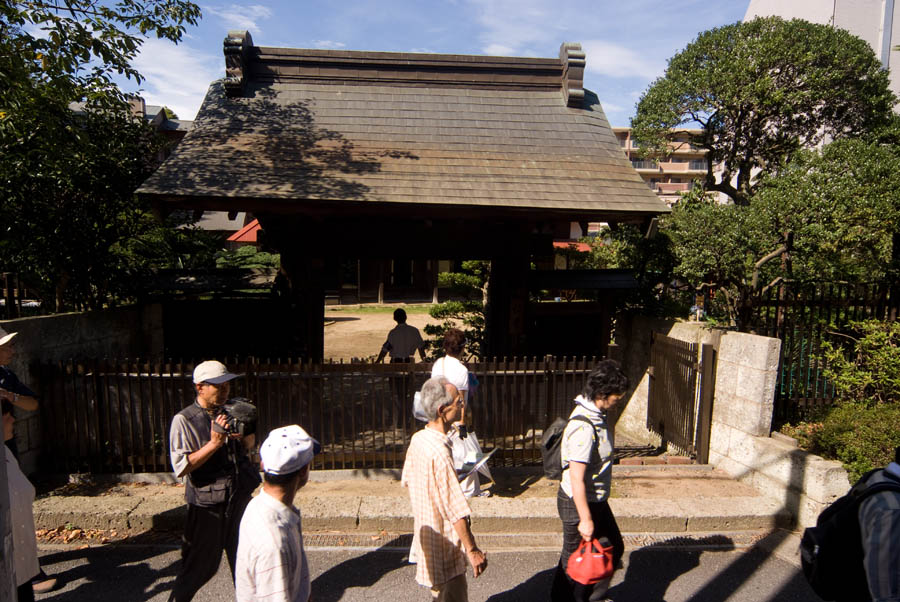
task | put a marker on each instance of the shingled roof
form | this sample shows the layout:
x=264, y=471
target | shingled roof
x=306, y=130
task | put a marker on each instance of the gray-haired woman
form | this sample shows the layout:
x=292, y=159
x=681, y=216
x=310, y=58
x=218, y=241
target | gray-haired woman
x=586, y=454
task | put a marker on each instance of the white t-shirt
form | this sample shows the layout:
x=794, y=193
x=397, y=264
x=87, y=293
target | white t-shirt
x=578, y=445
x=271, y=561
x=454, y=371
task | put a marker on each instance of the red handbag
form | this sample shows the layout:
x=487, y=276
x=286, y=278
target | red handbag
x=592, y=561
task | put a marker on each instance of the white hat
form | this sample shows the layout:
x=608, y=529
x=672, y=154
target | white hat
x=6, y=338
x=287, y=449
x=212, y=372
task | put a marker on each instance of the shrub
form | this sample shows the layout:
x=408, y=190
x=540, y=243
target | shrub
x=862, y=436
x=867, y=369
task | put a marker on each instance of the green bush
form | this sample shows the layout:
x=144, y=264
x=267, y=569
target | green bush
x=867, y=366
x=862, y=436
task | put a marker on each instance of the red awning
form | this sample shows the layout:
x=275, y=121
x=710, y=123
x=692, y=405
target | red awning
x=581, y=247
x=246, y=234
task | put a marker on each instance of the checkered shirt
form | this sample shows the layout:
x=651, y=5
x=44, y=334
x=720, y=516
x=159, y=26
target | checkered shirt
x=437, y=503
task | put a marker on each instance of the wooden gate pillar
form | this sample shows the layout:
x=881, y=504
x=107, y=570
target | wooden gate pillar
x=300, y=286
x=306, y=298
x=506, y=306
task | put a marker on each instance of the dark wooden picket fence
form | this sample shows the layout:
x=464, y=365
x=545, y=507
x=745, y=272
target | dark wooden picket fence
x=106, y=416
x=803, y=316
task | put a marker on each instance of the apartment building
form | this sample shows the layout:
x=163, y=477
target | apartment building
x=672, y=176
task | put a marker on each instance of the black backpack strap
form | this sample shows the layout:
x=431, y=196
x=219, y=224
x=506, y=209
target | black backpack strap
x=586, y=420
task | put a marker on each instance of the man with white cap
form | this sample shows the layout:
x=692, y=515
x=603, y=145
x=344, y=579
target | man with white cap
x=271, y=562
x=218, y=477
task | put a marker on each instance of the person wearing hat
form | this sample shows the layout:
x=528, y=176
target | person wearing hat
x=442, y=538
x=11, y=388
x=218, y=477
x=271, y=561
x=14, y=393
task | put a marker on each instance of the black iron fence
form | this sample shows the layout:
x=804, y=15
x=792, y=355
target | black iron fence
x=114, y=415
x=802, y=316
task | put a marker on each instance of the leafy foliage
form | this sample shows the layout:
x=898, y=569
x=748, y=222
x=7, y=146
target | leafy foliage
x=827, y=214
x=466, y=312
x=72, y=226
x=861, y=436
x=860, y=429
x=247, y=256
x=761, y=91
x=869, y=369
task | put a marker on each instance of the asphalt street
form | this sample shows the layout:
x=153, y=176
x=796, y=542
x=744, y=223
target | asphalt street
x=145, y=572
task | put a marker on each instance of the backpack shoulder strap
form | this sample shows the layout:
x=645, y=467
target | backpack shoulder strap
x=586, y=420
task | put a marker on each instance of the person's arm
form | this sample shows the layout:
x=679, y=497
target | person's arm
x=579, y=497
x=28, y=403
x=476, y=557
x=198, y=458
x=249, y=441
x=422, y=351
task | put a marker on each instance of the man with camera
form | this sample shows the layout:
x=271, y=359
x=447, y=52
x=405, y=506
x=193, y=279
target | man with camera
x=208, y=448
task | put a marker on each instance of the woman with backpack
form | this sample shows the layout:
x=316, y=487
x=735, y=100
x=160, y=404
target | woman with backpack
x=586, y=454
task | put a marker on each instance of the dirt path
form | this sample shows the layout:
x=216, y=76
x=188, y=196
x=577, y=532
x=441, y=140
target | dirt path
x=351, y=335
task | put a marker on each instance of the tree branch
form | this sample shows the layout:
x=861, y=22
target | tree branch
x=776, y=253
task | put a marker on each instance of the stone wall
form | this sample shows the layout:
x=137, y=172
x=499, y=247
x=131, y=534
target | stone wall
x=111, y=333
x=740, y=441
x=633, y=350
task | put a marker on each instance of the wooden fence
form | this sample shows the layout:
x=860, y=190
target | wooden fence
x=802, y=316
x=106, y=416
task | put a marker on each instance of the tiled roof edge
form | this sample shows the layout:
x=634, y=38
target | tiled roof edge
x=245, y=62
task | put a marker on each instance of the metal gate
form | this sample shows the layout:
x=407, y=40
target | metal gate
x=680, y=395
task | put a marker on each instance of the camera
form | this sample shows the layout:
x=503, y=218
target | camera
x=240, y=417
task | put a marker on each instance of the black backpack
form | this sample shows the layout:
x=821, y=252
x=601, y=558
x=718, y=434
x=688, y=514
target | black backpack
x=832, y=553
x=551, y=442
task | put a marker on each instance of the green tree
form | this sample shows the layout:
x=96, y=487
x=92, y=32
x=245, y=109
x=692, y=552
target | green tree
x=761, y=91
x=68, y=171
x=827, y=215
x=465, y=311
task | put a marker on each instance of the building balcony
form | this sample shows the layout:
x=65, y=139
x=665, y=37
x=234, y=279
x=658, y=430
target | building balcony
x=673, y=187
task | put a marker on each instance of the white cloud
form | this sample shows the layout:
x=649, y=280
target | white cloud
x=499, y=50
x=611, y=107
x=177, y=76
x=238, y=16
x=615, y=60
x=328, y=44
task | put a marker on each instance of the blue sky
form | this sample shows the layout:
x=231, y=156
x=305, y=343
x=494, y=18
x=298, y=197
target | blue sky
x=627, y=41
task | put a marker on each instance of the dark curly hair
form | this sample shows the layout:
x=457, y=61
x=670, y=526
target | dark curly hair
x=454, y=341
x=605, y=380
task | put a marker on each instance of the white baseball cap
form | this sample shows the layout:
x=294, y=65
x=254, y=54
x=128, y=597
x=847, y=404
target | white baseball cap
x=213, y=372
x=287, y=449
x=6, y=337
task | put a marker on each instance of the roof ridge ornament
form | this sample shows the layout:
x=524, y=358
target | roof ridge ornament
x=573, y=61
x=237, y=59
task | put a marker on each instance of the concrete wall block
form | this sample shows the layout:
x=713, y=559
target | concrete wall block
x=726, y=378
x=750, y=350
x=826, y=480
x=720, y=438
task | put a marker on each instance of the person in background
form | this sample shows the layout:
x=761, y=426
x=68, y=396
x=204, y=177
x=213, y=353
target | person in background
x=271, y=561
x=879, y=527
x=402, y=341
x=21, y=501
x=15, y=393
x=219, y=479
x=586, y=454
x=442, y=536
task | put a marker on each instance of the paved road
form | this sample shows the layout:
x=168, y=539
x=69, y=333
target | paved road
x=125, y=573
